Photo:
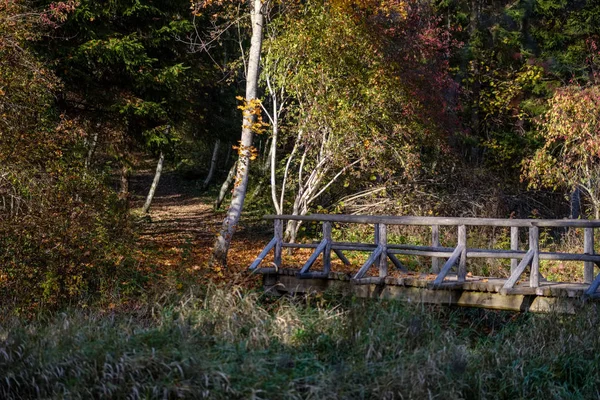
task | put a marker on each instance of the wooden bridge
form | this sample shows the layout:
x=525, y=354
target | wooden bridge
x=448, y=283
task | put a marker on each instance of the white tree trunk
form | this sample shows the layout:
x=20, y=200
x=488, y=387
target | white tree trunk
x=226, y=184
x=159, y=167
x=213, y=164
x=273, y=152
x=223, y=241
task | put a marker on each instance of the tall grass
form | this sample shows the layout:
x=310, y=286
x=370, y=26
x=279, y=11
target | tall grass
x=224, y=344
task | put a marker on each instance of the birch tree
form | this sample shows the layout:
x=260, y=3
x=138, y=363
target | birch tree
x=338, y=109
x=245, y=149
x=157, y=174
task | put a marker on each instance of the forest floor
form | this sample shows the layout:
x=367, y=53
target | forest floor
x=179, y=234
x=183, y=224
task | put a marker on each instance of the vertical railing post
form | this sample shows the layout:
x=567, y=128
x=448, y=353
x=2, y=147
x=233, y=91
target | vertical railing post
x=514, y=245
x=588, y=248
x=382, y=242
x=327, y=251
x=435, y=242
x=278, y=233
x=534, y=244
x=377, y=239
x=462, y=264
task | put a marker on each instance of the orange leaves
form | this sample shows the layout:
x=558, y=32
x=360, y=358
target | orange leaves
x=249, y=151
x=571, y=130
x=252, y=113
x=386, y=8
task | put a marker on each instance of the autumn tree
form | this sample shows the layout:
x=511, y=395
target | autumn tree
x=62, y=230
x=344, y=107
x=570, y=154
x=245, y=148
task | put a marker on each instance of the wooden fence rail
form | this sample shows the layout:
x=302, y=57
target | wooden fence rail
x=381, y=251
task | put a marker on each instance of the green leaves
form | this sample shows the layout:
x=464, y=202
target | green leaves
x=570, y=155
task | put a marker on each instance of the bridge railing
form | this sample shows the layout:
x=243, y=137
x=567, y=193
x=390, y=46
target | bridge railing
x=381, y=251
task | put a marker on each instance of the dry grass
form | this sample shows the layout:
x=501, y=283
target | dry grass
x=237, y=344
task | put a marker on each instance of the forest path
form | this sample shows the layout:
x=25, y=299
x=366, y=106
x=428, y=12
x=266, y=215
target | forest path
x=183, y=226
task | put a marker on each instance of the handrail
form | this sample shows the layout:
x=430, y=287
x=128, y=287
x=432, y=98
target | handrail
x=444, y=221
x=457, y=256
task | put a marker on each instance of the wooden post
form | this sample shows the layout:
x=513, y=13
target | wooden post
x=327, y=251
x=534, y=245
x=377, y=239
x=514, y=277
x=514, y=245
x=435, y=242
x=588, y=248
x=342, y=257
x=462, y=241
x=278, y=234
x=382, y=242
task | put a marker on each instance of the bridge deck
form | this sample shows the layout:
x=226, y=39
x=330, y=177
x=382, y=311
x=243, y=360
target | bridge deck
x=525, y=289
x=474, y=292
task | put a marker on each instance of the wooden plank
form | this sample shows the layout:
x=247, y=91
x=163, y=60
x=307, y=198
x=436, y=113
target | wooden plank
x=313, y=257
x=429, y=251
x=420, y=252
x=418, y=247
x=314, y=275
x=514, y=277
x=278, y=232
x=334, y=245
x=383, y=259
x=435, y=242
x=268, y=271
x=412, y=220
x=365, y=267
x=514, y=246
x=449, y=264
x=593, y=286
x=462, y=264
x=327, y=249
x=263, y=254
x=412, y=294
x=371, y=280
x=534, y=245
x=493, y=253
x=471, y=253
x=570, y=257
x=455, y=285
x=396, y=262
x=588, y=248
x=342, y=257
x=301, y=245
x=522, y=290
x=482, y=253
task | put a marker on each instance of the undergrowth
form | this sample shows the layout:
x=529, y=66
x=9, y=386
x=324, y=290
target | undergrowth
x=224, y=344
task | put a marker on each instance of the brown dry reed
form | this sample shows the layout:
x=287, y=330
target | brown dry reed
x=235, y=344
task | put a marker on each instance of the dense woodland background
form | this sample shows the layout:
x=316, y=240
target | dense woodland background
x=485, y=108
x=455, y=108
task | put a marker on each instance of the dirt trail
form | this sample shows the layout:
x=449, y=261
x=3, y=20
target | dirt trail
x=183, y=225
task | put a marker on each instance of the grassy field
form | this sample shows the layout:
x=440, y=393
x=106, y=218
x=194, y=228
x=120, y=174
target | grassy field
x=234, y=343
